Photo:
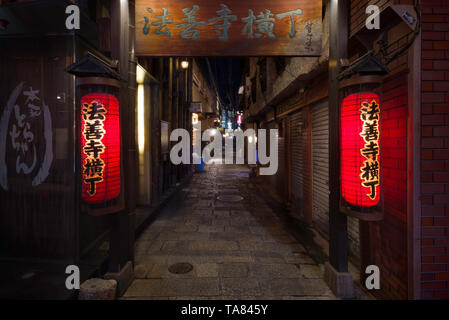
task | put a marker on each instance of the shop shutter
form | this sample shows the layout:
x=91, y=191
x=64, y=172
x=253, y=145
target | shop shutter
x=320, y=165
x=281, y=175
x=298, y=136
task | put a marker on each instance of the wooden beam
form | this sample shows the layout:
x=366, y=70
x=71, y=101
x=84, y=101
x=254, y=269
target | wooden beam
x=121, y=246
x=338, y=38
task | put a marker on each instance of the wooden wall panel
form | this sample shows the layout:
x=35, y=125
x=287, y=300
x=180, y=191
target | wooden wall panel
x=209, y=39
x=37, y=216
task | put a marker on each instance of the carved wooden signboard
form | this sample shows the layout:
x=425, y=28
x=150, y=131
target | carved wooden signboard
x=228, y=27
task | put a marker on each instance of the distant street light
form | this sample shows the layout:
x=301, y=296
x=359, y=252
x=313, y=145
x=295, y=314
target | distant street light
x=184, y=64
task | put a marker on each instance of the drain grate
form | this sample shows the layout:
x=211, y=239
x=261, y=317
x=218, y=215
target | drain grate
x=180, y=268
x=230, y=198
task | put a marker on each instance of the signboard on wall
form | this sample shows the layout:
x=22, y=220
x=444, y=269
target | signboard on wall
x=196, y=107
x=228, y=28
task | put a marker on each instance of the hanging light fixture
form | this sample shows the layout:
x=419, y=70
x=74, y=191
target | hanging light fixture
x=184, y=64
x=360, y=138
x=99, y=136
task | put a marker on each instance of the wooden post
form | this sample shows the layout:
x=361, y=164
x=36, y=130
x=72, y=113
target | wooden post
x=132, y=163
x=338, y=35
x=122, y=230
x=336, y=275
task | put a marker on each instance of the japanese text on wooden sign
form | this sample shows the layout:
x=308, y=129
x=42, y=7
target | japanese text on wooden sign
x=228, y=28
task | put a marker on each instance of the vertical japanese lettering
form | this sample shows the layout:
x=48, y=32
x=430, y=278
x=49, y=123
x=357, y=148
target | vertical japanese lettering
x=93, y=114
x=369, y=114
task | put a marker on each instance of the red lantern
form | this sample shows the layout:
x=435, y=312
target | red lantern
x=360, y=149
x=100, y=148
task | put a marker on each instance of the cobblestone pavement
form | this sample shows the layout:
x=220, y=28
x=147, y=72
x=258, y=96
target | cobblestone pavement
x=239, y=250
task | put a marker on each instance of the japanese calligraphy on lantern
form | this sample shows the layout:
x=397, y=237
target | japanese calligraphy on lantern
x=100, y=147
x=369, y=114
x=94, y=115
x=360, y=149
x=228, y=28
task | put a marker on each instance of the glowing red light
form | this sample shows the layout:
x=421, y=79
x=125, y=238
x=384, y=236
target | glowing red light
x=360, y=149
x=100, y=148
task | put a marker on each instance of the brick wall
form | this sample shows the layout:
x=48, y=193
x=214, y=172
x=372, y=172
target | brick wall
x=386, y=246
x=388, y=238
x=358, y=13
x=435, y=150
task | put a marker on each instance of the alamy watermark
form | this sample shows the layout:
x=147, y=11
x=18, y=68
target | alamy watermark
x=72, y=282
x=373, y=20
x=372, y=281
x=213, y=151
x=73, y=20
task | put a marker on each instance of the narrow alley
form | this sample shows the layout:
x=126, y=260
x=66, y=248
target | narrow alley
x=237, y=246
x=246, y=150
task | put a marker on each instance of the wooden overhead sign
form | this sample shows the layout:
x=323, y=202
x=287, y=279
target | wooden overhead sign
x=228, y=27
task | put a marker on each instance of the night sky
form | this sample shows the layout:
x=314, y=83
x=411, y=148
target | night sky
x=227, y=73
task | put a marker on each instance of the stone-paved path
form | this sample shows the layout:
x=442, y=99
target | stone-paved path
x=239, y=250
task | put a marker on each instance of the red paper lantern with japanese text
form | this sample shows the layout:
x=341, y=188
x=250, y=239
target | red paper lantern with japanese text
x=100, y=148
x=360, y=149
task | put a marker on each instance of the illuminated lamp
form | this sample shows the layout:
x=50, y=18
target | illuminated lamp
x=185, y=64
x=100, y=148
x=361, y=138
x=99, y=165
x=195, y=118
